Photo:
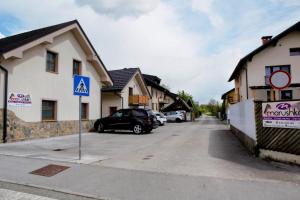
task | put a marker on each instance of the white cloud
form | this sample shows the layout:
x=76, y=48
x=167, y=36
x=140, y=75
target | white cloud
x=1, y=35
x=157, y=40
x=121, y=8
x=206, y=7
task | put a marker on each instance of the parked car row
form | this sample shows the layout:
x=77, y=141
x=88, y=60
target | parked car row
x=137, y=120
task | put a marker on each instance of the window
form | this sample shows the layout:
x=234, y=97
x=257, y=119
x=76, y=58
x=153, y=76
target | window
x=271, y=95
x=84, y=111
x=286, y=95
x=76, y=67
x=271, y=69
x=52, y=60
x=294, y=51
x=130, y=91
x=48, y=110
x=112, y=110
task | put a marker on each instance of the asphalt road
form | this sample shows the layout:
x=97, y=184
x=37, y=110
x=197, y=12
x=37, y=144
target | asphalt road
x=198, y=160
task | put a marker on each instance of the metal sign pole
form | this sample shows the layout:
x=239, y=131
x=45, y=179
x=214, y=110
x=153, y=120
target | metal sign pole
x=80, y=128
x=81, y=87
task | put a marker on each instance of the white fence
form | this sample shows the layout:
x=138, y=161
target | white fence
x=242, y=117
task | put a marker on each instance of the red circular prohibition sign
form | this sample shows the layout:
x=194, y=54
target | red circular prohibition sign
x=280, y=80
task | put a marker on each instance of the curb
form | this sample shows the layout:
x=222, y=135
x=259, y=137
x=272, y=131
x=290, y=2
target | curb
x=54, y=190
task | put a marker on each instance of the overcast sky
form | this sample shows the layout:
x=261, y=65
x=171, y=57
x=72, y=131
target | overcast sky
x=191, y=45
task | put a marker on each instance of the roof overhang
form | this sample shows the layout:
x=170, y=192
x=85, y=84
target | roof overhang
x=138, y=76
x=75, y=28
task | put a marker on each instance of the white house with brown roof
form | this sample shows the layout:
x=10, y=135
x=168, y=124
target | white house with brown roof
x=251, y=75
x=128, y=91
x=40, y=65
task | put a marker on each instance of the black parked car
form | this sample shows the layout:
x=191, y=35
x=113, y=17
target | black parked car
x=137, y=120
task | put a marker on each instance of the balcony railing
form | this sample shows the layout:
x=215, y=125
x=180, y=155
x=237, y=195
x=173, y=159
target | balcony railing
x=137, y=100
x=233, y=99
x=162, y=100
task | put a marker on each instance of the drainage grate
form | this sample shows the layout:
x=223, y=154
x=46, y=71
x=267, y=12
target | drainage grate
x=148, y=157
x=49, y=170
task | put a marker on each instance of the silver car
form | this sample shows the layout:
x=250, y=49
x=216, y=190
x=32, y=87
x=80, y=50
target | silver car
x=175, y=116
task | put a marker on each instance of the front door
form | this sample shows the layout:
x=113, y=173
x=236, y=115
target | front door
x=112, y=110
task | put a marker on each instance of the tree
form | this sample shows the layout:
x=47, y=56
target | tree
x=185, y=96
x=213, y=107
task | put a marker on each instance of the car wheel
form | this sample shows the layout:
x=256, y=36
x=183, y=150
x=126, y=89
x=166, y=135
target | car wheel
x=100, y=128
x=160, y=123
x=178, y=120
x=137, y=129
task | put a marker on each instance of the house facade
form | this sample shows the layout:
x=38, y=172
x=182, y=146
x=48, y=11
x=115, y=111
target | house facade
x=251, y=75
x=161, y=96
x=129, y=91
x=229, y=98
x=40, y=66
x=276, y=136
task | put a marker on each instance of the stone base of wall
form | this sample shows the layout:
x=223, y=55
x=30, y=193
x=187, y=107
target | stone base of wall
x=248, y=142
x=279, y=156
x=18, y=130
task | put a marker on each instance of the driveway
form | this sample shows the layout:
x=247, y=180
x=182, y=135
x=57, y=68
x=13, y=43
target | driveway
x=202, y=148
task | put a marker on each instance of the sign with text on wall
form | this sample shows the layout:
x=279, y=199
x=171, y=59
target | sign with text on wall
x=19, y=99
x=281, y=114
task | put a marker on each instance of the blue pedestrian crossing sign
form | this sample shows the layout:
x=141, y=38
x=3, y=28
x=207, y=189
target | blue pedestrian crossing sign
x=81, y=86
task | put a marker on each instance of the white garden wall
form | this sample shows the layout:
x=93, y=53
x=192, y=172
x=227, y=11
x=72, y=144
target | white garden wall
x=242, y=117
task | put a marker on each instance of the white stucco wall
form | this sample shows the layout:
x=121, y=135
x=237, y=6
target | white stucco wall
x=242, y=117
x=28, y=75
x=278, y=55
x=110, y=100
x=133, y=83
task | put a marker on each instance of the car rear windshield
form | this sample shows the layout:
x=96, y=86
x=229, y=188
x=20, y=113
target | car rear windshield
x=138, y=113
x=160, y=114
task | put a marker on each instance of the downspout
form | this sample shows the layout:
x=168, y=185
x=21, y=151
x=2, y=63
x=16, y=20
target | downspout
x=5, y=104
x=247, y=82
x=122, y=102
x=101, y=99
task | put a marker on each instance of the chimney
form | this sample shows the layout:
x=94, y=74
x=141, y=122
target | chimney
x=265, y=39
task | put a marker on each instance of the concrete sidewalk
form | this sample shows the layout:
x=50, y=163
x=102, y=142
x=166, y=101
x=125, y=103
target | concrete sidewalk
x=111, y=183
